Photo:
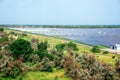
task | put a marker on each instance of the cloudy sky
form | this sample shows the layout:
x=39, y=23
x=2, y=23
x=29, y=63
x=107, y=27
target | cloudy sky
x=60, y=12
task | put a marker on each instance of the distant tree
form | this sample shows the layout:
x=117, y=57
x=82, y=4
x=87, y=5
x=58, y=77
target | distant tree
x=21, y=47
x=96, y=49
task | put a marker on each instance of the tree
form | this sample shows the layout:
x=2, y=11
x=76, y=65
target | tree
x=96, y=49
x=21, y=47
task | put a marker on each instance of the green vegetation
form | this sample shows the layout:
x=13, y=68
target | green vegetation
x=1, y=29
x=117, y=65
x=3, y=39
x=60, y=47
x=72, y=46
x=42, y=50
x=105, y=52
x=96, y=49
x=21, y=47
x=46, y=58
x=0, y=47
x=86, y=67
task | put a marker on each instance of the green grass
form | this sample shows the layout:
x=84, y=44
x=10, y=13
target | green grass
x=46, y=75
x=38, y=75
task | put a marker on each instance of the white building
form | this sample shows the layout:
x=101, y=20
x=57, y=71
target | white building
x=115, y=46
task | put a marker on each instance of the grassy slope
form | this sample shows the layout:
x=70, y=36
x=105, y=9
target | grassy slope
x=53, y=41
x=43, y=76
x=46, y=75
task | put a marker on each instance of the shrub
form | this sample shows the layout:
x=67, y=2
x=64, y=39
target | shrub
x=105, y=52
x=43, y=54
x=12, y=32
x=3, y=39
x=69, y=45
x=96, y=49
x=12, y=70
x=113, y=57
x=60, y=47
x=42, y=51
x=86, y=67
x=21, y=47
x=0, y=47
x=72, y=46
x=117, y=66
x=1, y=56
x=97, y=70
x=23, y=34
x=1, y=29
x=43, y=46
x=46, y=65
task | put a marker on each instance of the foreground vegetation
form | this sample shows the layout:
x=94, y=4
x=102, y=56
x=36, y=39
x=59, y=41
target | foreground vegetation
x=25, y=56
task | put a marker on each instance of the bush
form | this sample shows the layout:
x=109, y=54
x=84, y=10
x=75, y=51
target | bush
x=97, y=70
x=86, y=67
x=42, y=51
x=21, y=47
x=43, y=46
x=113, y=57
x=105, y=52
x=43, y=54
x=117, y=66
x=60, y=47
x=0, y=47
x=3, y=39
x=96, y=49
x=23, y=34
x=1, y=29
x=46, y=65
x=12, y=70
x=72, y=46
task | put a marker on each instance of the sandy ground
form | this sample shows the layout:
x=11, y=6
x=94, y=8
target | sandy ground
x=112, y=51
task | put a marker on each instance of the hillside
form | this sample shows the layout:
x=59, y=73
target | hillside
x=61, y=57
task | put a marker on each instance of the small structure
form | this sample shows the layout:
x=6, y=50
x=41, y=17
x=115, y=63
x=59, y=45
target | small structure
x=115, y=46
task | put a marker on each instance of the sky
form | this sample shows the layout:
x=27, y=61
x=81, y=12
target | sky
x=60, y=12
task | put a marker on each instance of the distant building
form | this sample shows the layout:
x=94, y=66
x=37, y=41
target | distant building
x=115, y=46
